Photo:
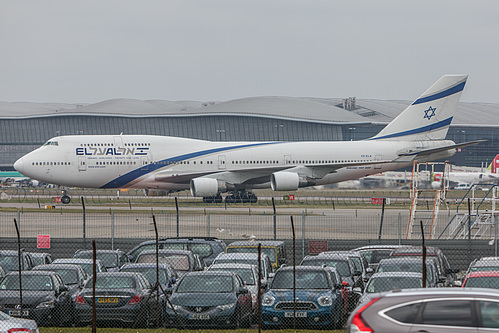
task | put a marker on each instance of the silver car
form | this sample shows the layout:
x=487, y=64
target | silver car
x=13, y=324
x=435, y=310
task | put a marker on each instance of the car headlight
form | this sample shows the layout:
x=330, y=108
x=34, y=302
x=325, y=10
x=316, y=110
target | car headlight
x=268, y=300
x=225, y=306
x=325, y=301
x=173, y=306
x=46, y=304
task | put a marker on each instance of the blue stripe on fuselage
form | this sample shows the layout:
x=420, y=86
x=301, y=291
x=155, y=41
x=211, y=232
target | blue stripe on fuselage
x=428, y=128
x=442, y=94
x=137, y=173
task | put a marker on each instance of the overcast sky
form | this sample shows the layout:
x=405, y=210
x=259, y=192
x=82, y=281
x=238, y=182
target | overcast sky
x=87, y=51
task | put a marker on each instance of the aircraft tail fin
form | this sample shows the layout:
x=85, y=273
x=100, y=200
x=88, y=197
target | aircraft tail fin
x=429, y=117
x=494, y=165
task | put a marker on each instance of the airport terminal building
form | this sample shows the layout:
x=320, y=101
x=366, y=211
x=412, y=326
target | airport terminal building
x=26, y=126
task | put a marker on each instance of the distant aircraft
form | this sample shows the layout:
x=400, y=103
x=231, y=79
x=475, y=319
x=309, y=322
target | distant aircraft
x=462, y=178
x=14, y=177
x=211, y=168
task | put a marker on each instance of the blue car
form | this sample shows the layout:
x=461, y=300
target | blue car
x=319, y=299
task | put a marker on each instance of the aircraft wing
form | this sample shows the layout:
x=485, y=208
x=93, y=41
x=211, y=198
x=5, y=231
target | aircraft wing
x=410, y=155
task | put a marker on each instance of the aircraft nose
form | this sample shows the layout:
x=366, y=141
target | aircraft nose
x=19, y=165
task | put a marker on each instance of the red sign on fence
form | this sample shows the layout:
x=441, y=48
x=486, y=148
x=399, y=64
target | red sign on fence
x=291, y=197
x=317, y=246
x=57, y=199
x=377, y=201
x=43, y=242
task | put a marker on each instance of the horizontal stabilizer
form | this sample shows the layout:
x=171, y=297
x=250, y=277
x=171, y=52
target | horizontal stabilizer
x=411, y=155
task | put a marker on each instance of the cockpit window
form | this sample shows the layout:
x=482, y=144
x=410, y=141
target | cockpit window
x=51, y=143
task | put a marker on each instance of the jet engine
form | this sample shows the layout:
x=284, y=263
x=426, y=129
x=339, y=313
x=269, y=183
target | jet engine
x=289, y=181
x=206, y=187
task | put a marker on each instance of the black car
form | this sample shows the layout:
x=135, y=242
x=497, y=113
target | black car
x=9, y=260
x=207, y=248
x=73, y=276
x=111, y=259
x=120, y=297
x=166, y=276
x=46, y=299
x=210, y=299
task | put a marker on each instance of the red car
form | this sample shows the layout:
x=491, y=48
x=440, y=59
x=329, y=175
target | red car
x=482, y=279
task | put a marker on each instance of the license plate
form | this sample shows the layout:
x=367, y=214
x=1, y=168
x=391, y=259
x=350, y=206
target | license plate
x=17, y=313
x=298, y=314
x=104, y=300
x=199, y=316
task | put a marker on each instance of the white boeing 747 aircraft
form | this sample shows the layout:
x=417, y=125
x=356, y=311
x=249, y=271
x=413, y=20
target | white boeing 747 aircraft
x=211, y=168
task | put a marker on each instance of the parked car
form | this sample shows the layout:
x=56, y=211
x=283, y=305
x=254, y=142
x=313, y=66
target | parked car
x=482, y=279
x=413, y=265
x=385, y=281
x=210, y=299
x=359, y=261
x=86, y=264
x=249, y=258
x=73, y=276
x=207, y=248
x=276, y=250
x=46, y=299
x=10, y=324
x=111, y=259
x=428, y=310
x=40, y=258
x=181, y=261
x=9, y=260
x=166, y=276
x=319, y=299
x=442, y=262
x=2, y=272
x=120, y=297
x=247, y=272
x=484, y=264
x=374, y=253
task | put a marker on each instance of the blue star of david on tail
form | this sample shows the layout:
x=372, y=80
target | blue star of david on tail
x=429, y=113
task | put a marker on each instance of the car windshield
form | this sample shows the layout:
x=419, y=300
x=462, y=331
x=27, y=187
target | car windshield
x=270, y=251
x=178, y=262
x=405, y=267
x=205, y=284
x=341, y=265
x=374, y=256
x=29, y=282
x=377, y=285
x=483, y=282
x=149, y=273
x=304, y=280
x=69, y=276
x=112, y=282
x=245, y=273
x=9, y=263
x=109, y=260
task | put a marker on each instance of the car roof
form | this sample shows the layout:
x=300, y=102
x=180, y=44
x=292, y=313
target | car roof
x=379, y=247
x=9, y=252
x=483, y=274
x=98, y=251
x=400, y=260
x=396, y=274
x=74, y=260
x=255, y=243
x=39, y=254
x=219, y=273
x=118, y=274
x=486, y=263
x=302, y=268
x=323, y=255
x=415, y=250
x=31, y=273
x=167, y=251
x=56, y=266
x=145, y=265
x=233, y=265
x=439, y=292
x=347, y=253
x=239, y=256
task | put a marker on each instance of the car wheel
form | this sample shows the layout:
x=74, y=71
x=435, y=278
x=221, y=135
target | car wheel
x=237, y=321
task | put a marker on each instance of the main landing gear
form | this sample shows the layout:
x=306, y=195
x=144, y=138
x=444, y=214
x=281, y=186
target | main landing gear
x=233, y=197
x=65, y=199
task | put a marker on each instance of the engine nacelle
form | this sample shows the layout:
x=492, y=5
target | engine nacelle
x=289, y=181
x=206, y=187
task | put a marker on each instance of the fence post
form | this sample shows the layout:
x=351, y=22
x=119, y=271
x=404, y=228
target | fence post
x=302, y=235
x=112, y=230
x=208, y=224
x=275, y=219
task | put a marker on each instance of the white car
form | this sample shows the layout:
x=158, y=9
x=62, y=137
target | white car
x=13, y=324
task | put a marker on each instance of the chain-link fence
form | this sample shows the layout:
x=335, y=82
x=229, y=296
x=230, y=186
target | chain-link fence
x=204, y=270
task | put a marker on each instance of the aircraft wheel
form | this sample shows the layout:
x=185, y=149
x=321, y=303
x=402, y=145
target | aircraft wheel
x=65, y=199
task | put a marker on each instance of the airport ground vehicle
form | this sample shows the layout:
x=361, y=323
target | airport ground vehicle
x=46, y=299
x=12, y=324
x=111, y=259
x=276, y=250
x=120, y=297
x=210, y=299
x=207, y=248
x=319, y=298
x=428, y=310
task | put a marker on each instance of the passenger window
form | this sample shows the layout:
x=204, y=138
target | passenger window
x=405, y=314
x=490, y=314
x=448, y=313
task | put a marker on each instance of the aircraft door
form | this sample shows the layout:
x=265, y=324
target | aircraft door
x=287, y=159
x=221, y=162
x=377, y=158
x=82, y=163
